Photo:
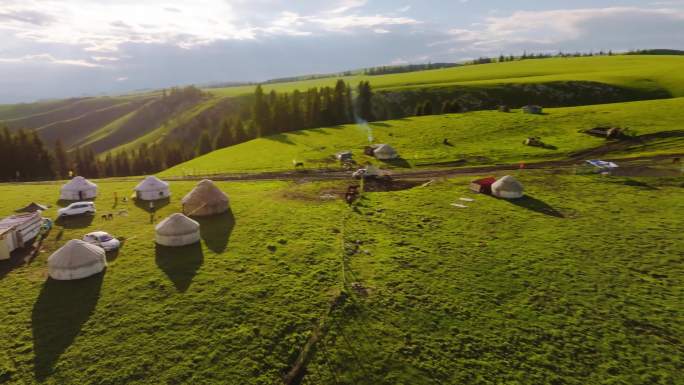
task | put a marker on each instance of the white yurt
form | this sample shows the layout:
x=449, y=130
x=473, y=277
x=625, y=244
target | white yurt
x=508, y=188
x=78, y=189
x=152, y=189
x=177, y=230
x=385, y=152
x=204, y=200
x=76, y=260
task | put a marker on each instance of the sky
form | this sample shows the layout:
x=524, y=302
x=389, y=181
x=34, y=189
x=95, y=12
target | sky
x=68, y=48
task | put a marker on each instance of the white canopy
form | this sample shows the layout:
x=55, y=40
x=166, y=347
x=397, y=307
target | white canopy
x=78, y=188
x=177, y=230
x=152, y=188
x=76, y=260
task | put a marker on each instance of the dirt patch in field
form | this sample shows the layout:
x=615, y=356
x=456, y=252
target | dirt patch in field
x=382, y=185
x=646, y=171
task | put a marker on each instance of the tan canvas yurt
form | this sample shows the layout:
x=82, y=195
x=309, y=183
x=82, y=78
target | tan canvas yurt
x=204, y=200
x=385, y=152
x=78, y=189
x=508, y=188
x=152, y=189
x=177, y=230
x=76, y=260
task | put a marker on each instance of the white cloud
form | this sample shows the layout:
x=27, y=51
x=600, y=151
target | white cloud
x=347, y=5
x=45, y=58
x=538, y=28
x=122, y=79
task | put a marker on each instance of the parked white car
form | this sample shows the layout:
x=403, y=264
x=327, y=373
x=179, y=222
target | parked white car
x=102, y=239
x=78, y=208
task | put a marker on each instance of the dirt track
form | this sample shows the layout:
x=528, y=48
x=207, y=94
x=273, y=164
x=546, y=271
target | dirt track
x=419, y=173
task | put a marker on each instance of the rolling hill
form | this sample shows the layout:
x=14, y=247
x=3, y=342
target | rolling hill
x=476, y=138
x=112, y=123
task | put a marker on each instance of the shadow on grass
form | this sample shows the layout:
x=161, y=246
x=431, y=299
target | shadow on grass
x=282, y=138
x=75, y=222
x=62, y=308
x=638, y=184
x=216, y=230
x=398, y=162
x=180, y=264
x=536, y=205
x=156, y=205
x=17, y=259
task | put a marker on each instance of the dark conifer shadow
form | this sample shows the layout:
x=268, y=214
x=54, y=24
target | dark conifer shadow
x=180, y=264
x=536, y=205
x=282, y=138
x=216, y=230
x=62, y=308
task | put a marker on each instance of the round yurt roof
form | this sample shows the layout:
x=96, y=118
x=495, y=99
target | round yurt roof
x=177, y=224
x=151, y=183
x=508, y=184
x=79, y=183
x=384, y=149
x=76, y=254
x=206, y=192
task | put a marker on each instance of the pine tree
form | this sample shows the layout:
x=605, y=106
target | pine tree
x=364, y=102
x=224, y=137
x=204, y=145
x=260, y=112
x=61, y=160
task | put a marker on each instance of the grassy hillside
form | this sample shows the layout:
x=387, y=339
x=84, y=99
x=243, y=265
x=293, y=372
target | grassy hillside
x=643, y=72
x=545, y=290
x=95, y=121
x=484, y=137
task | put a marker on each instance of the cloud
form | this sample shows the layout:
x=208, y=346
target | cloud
x=45, y=58
x=347, y=5
x=554, y=28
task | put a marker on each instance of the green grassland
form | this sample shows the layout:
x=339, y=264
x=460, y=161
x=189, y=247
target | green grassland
x=644, y=72
x=578, y=283
x=94, y=121
x=483, y=137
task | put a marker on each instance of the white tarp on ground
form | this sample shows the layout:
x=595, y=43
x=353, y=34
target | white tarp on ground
x=602, y=164
x=78, y=189
x=152, y=189
x=76, y=260
x=507, y=187
x=177, y=230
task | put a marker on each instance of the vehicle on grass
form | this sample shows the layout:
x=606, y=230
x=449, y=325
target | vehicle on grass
x=102, y=239
x=77, y=208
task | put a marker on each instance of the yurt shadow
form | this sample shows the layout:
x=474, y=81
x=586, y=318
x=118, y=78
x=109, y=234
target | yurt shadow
x=60, y=312
x=536, y=205
x=180, y=264
x=156, y=205
x=75, y=222
x=215, y=230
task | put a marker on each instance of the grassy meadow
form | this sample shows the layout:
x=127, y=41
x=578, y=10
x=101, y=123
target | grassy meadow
x=579, y=282
x=482, y=137
x=632, y=71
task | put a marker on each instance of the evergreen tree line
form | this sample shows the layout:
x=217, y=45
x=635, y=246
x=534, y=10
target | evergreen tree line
x=397, y=69
x=23, y=156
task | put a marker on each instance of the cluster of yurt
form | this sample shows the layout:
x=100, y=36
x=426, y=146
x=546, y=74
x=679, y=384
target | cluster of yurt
x=177, y=230
x=507, y=187
x=152, y=189
x=76, y=260
x=204, y=200
x=78, y=189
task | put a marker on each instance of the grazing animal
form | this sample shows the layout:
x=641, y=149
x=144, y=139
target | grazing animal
x=110, y=216
x=299, y=164
x=104, y=217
